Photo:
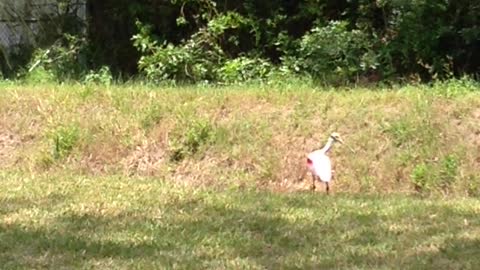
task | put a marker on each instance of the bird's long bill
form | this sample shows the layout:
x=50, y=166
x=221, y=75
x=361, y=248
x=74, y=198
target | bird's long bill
x=348, y=146
x=351, y=149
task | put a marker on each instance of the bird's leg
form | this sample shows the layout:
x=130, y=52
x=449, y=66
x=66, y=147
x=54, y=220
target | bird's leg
x=313, y=182
x=327, y=187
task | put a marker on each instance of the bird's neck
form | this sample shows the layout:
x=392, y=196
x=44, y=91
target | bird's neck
x=328, y=146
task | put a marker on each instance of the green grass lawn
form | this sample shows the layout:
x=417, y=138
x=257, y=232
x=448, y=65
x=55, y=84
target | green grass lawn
x=72, y=222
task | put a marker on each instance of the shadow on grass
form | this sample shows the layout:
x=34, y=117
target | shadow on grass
x=260, y=230
x=15, y=204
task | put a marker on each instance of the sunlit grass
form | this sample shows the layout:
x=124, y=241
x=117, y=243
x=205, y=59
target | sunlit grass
x=74, y=222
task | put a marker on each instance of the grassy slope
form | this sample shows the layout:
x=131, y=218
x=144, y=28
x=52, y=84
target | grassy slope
x=89, y=181
x=247, y=135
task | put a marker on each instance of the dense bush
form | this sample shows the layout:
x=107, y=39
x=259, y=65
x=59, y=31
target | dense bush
x=333, y=52
x=193, y=60
x=244, y=69
x=65, y=59
x=332, y=42
x=231, y=41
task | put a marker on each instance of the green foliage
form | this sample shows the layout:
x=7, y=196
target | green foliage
x=64, y=140
x=422, y=177
x=457, y=87
x=448, y=171
x=152, y=116
x=202, y=56
x=64, y=60
x=190, y=138
x=337, y=42
x=402, y=131
x=433, y=39
x=102, y=77
x=194, y=60
x=442, y=175
x=334, y=51
x=230, y=20
x=40, y=75
x=244, y=69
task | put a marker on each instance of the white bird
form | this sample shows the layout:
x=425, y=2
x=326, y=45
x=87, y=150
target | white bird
x=319, y=164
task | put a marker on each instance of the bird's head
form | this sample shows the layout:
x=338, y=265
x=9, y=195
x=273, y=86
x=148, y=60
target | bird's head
x=336, y=137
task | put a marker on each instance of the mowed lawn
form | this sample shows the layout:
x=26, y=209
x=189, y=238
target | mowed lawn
x=79, y=222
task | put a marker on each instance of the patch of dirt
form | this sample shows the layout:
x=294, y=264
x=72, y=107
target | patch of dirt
x=9, y=142
x=472, y=128
x=475, y=137
x=476, y=113
x=200, y=173
x=101, y=157
x=146, y=159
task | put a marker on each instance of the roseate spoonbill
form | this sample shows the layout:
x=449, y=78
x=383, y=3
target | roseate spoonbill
x=319, y=164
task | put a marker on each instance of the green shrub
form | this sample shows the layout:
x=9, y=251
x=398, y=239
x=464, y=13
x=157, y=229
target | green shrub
x=102, y=77
x=422, y=177
x=448, y=171
x=402, y=131
x=202, y=56
x=189, y=140
x=152, y=116
x=40, y=75
x=244, y=69
x=439, y=175
x=64, y=60
x=64, y=140
x=334, y=52
x=194, y=61
x=456, y=87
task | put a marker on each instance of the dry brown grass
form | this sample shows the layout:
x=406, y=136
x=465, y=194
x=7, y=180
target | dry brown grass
x=254, y=137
